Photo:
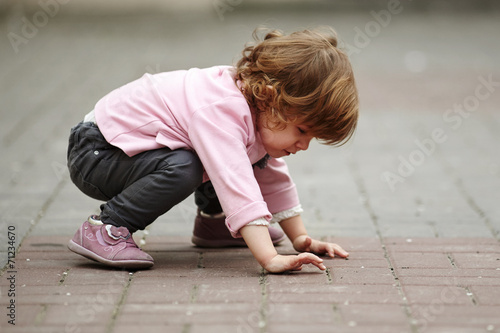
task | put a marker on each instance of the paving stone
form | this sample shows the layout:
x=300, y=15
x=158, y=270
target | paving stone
x=34, y=276
x=358, y=260
x=227, y=260
x=161, y=294
x=446, y=281
x=175, y=260
x=216, y=328
x=477, y=260
x=484, y=295
x=357, y=244
x=421, y=260
x=153, y=328
x=452, y=328
x=349, y=327
x=315, y=277
x=298, y=287
x=437, y=294
x=50, y=243
x=174, y=314
x=25, y=315
x=440, y=314
x=442, y=245
x=362, y=275
x=446, y=272
x=373, y=314
x=97, y=314
x=57, y=328
x=96, y=275
x=337, y=298
x=289, y=313
x=213, y=292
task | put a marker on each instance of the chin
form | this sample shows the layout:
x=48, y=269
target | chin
x=274, y=155
x=278, y=155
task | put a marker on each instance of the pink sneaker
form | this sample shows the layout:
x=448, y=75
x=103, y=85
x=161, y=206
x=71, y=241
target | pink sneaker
x=213, y=233
x=109, y=245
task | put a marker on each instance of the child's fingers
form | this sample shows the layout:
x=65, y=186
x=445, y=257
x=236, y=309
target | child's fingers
x=309, y=258
x=340, y=251
x=334, y=249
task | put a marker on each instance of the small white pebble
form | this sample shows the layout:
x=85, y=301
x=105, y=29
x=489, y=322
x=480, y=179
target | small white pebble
x=352, y=323
x=490, y=328
x=27, y=260
x=362, y=266
x=68, y=294
x=409, y=240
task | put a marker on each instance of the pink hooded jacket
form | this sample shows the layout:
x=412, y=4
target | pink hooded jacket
x=204, y=111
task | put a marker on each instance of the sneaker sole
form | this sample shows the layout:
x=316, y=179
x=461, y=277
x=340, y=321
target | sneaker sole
x=132, y=264
x=210, y=243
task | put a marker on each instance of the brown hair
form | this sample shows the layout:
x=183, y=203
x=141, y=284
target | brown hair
x=311, y=79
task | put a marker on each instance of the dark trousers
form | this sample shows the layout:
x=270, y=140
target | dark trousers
x=137, y=189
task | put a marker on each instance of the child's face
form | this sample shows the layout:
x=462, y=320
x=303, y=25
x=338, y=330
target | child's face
x=290, y=140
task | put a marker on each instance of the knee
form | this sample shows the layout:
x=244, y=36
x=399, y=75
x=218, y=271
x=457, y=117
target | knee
x=188, y=166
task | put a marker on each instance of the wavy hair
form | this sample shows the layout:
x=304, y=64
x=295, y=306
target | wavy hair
x=301, y=78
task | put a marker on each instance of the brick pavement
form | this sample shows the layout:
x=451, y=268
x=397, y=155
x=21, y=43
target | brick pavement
x=397, y=285
x=424, y=254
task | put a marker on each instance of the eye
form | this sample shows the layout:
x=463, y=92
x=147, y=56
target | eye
x=302, y=130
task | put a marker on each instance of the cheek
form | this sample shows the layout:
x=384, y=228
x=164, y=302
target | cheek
x=267, y=137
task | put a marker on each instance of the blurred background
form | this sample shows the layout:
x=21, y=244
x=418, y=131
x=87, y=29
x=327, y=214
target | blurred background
x=424, y=161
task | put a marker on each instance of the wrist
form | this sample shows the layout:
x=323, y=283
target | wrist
x=267, y=263
x=259, y=242
x=293, y=228
x=299, y=237
x=302, y=243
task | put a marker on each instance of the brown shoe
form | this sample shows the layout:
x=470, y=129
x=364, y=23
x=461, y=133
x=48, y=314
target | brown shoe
x=213, y=233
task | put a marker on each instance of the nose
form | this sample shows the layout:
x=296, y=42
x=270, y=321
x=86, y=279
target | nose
x=303, y=143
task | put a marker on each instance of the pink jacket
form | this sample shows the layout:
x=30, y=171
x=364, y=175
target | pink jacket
x=201, y=110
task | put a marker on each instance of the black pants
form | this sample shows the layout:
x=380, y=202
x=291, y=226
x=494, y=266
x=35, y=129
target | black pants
x=137, y=189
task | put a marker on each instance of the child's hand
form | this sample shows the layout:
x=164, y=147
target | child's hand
x=281, y=263
x=304, y=243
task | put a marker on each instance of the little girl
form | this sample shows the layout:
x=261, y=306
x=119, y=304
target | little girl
x=219, y=132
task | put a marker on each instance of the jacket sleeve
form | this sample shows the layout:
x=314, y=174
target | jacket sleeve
x=220, y=139
x=276, y=185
